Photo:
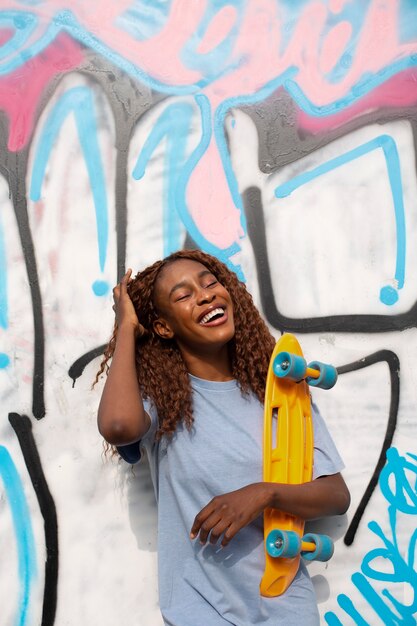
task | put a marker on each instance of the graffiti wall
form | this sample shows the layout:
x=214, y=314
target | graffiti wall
x=280, y=136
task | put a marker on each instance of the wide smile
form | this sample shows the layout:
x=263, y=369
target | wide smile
x=213, y=317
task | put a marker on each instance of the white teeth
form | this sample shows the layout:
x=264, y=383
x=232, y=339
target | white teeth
x=212, y=314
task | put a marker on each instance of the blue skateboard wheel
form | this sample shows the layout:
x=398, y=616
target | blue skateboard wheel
x=324, y=547
x=283, y=543
x=327, y=378
x=289, y=366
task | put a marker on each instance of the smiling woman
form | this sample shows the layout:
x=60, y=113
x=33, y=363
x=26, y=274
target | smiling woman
x=196, y=310
x=189, y=357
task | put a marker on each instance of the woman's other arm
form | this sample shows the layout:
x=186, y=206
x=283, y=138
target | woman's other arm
x=327, y=495
x=227, y=514
x=122, y=418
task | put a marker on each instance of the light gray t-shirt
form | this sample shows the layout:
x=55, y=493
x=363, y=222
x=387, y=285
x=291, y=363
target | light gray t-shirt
x=208, y=585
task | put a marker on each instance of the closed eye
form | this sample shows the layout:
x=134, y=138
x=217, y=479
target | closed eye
x=183, y=297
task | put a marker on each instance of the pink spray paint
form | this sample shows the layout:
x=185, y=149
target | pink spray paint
x=21, y=91
x=258, y=59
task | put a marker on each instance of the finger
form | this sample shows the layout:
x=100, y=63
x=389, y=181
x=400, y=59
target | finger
x=116, y=292
x=229, y=534
x=218, y=530
x=127, y=276
x=200, y=519
x=125, y=280
x=207, y=527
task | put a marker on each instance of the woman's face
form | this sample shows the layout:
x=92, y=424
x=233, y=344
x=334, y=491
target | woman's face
x=193, y=307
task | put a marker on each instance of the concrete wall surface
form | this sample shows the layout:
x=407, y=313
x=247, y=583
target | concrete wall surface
x=279, y=136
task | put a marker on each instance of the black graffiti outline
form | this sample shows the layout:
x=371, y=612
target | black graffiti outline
x=393, y=363
x=14, y=165
x=22, y=426
x=17, y=192
x=351, y=323
x=77, y=368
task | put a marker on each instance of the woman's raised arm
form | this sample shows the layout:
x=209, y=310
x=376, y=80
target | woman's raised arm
x=122, y=418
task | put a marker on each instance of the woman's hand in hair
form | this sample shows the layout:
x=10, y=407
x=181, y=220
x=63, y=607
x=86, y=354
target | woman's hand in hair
x=123, y=307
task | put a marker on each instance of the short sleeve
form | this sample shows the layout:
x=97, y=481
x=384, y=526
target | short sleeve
x=327, y=460
x=132, y=452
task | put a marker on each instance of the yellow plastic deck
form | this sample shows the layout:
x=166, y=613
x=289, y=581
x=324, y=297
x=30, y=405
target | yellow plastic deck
x=288, y=458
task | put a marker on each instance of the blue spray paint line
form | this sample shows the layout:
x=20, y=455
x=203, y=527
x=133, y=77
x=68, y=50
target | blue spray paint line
x=4, y=360
x=23, y=531
x=332, y=619
x=356, y=15
x=389, y=562
x=383, y=611
x=400, y=572
x=80, y=102
x=144, y=18
x=180, y=193
x=31, y=2
x=398, y=485
x=347, y=605
x=388, y=294
x=3, y=281
x=25, y=25
x=4, y=322
x=404, y=498
x=365, y=85
x=65, y=20
x=174, y=124
x=180, y=115
x=407, y=15
x=216, y=59
x=175, y=156
x=219, y=121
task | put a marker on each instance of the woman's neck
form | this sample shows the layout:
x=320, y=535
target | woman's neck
x=215, y=367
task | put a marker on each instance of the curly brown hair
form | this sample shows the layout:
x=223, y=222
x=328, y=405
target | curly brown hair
x=161, y=370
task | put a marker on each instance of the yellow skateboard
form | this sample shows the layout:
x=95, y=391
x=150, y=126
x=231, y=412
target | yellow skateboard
x=288, y=458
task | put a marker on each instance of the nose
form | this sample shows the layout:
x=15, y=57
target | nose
x=205, y=295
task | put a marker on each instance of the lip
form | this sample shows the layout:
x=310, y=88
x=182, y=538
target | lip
x=219, y=321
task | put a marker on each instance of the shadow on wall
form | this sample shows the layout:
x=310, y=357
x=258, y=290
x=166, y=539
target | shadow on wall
x=141, y=503
x=336, y=527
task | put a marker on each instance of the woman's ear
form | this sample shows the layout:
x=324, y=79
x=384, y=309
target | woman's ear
x=162, y=329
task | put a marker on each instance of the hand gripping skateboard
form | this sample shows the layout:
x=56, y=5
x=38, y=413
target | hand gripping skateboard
x=288, y=458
